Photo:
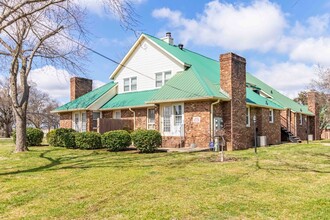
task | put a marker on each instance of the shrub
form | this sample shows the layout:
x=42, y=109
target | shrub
x=116, y=140
x=88, y=140
x=146, y=141
x=50, y=137
x=34, y=136
x=63, y=137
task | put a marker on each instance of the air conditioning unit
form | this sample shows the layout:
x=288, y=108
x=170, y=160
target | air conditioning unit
x=261, y=141
x=310, y=137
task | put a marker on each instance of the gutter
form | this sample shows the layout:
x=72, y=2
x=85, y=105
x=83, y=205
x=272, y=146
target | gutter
x=212, y=118
x=133, y=117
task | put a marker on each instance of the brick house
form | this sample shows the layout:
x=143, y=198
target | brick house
x=185, y=95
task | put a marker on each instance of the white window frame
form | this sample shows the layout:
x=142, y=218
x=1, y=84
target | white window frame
x=83, y=123
x=129, y=86
x=79, y=125
x=151, y=125
x=271, y=115
x=116, y=114
x=165, y=76
x=248, y=116
x=300, y=119
x=95, y=119
x=175, y=130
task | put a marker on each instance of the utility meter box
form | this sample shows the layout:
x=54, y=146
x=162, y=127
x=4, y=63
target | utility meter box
x=310, y=137
x=218, y=123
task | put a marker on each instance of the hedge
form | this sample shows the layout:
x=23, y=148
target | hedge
x=34, y=136
x=62, y=137
x=88, y=140
x=146, y=141
x=116, y=140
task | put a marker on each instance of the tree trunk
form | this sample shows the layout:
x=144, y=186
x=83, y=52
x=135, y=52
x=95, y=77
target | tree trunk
x=7, y=130
x=21, y=145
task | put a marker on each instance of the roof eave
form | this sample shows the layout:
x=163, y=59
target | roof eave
x=127, y=107
x=189, y=99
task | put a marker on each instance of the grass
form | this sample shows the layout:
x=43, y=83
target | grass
x=282, y=182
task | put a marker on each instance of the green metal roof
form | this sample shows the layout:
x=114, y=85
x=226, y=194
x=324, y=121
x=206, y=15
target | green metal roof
x=187, y=85
x=129, y=99
x=205, y=77
x=277, y=96
x=86, y=100
x=255, y=99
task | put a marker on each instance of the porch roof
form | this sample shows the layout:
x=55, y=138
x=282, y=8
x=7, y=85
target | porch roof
x=83, y=102
x=129, y=99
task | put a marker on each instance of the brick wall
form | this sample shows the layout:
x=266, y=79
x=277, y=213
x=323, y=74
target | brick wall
x=197, y=132
x=233, y=80
x=107, y=114
x=302, y=128
x=79, y=86
x=66, y=120
x=313, y=106
x=265, y=128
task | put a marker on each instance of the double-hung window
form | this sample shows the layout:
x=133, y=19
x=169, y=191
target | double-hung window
x=271, y=115
x=79, y=121
x=300, y=119
x=96, y=115
x=116, y=114
x=130, y=84
x=248, y=113
x=172, y=120
x=161, y=78
x=151, y=119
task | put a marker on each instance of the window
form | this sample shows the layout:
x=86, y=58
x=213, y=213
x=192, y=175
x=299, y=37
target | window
x=167, y=119
x=79, y=121
x=76, y=121
x=167, y=76
x=130, y=84
x=161, y=78
x=151, y=119
x=83, y=121
x=126, y=84
x=133, y=83
x=96, y=115
x=271, y=116
x=248, y=113
x=177, y=112
x=172, y=121
x=300, y=119
x=117, y=114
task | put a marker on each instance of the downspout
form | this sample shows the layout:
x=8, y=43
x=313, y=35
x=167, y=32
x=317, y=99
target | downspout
x=212, y=118
x=133, y=117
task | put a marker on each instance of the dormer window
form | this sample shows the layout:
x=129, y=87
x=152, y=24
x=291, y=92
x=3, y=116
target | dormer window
x=161, y=78
x=130, y=84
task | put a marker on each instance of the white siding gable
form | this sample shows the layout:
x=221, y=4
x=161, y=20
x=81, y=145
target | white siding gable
x=147, y=59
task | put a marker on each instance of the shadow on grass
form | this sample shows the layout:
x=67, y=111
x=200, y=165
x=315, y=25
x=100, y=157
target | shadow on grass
x=97, y=159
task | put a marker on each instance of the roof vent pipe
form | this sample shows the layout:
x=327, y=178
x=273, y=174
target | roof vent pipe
x=168, y=38
x=180, y=46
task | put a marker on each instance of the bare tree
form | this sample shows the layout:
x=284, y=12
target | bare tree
x=39, y=32
x=6, y=111
x=39, y=107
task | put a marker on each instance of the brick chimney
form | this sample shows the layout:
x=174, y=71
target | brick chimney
x=314, y=122
x=233, y=81
x=79, y=86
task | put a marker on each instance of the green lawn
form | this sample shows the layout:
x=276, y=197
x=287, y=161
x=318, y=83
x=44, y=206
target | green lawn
x=282, y=182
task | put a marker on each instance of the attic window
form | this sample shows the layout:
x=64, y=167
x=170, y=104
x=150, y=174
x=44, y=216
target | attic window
x=161, y=78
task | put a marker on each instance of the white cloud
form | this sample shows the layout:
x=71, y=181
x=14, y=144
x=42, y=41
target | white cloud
x=312, y=50
x=237, y=27
x=55, y=82
x=289, y=78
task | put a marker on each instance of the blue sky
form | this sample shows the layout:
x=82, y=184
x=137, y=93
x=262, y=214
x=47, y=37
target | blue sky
x=283, y=41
